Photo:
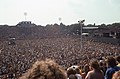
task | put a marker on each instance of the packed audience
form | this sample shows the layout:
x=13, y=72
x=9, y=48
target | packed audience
x=18, y=59
x=47, y=69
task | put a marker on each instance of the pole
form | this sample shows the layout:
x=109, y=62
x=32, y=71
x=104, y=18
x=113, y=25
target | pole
x=81, y=22
x=81, y=35
x=25, y=17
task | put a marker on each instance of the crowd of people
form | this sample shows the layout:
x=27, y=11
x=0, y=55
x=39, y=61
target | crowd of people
x=49, y=69
x=18, y=58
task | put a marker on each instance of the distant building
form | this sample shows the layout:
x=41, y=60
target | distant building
x=90, y=27
x=110, y=32
x=25, y=24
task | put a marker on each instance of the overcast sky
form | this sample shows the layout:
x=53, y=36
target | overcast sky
x=42, y=12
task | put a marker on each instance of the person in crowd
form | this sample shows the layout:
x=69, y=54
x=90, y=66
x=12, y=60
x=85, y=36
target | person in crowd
x=95, y=72
x=102, y=66
x=72, y=76
x=118, y=60
x=116, y=75
x=74, y=72
x=47, y=69
x=112, y=68
x=86, y=69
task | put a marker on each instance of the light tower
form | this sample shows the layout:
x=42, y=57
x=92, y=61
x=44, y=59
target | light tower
x=25, y=14
x=60, y=19
x=81, y=22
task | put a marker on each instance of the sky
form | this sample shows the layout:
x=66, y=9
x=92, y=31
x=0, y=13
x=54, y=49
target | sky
x=43, y=12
